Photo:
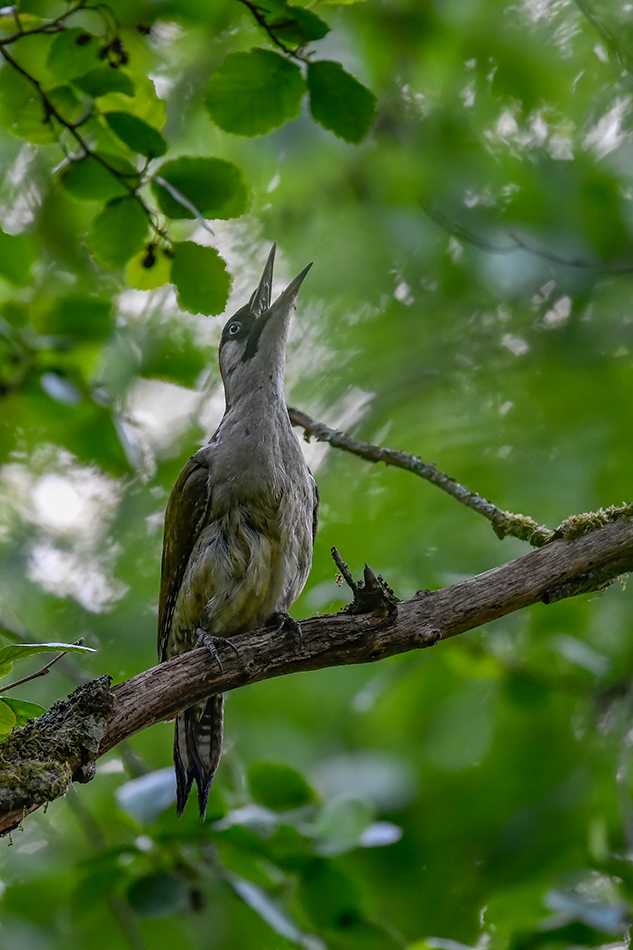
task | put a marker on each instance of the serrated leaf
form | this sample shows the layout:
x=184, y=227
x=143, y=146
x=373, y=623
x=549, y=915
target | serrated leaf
x=201, y=278
x=252, y=93
x=149, y=269
x=7, y=718
x=17, y=255
x=279, y=787
x=73, y=53
x=137, y=134
x=16, y=651
x=22, y=710
x=89, y=180
x=118, y=232
x=339, y=102
x=101, y=81
x=215, y=187
x=5, y=669
x=81, y=318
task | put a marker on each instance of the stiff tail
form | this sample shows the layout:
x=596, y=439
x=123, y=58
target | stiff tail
x=197, y=749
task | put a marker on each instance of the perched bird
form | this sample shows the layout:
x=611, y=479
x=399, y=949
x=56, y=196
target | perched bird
x=240, y=521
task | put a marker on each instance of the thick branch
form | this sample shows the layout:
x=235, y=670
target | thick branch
x=560, y=569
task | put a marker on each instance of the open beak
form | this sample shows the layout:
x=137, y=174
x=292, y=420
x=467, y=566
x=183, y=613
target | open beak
x=260, y=301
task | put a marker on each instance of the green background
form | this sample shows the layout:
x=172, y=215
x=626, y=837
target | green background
x=470, y=302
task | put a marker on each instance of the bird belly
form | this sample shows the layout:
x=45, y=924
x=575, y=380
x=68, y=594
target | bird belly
x=243, y=568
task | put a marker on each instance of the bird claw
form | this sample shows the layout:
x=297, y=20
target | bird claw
x=209, y=641
x=280, y=620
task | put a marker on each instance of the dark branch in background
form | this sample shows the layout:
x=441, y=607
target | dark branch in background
x=503, y=522
x=386, y=628
x=607, y=37
x=519, y=242
x=258, y=12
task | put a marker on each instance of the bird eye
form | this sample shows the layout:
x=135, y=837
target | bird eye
x=234, y=328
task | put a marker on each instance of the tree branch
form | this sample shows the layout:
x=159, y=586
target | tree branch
x=560, y=569
x=503, y=522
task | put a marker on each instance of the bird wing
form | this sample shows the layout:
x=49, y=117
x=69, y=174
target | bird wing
x=186, y=515
x=315, y=506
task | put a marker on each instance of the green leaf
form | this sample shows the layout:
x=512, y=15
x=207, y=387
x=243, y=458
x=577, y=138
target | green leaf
x=118, y=232
x=215, y=187
x=201, y=278
x=5, y=669
x=7, y=718
x=329, y=896
x=17, y=255
x=252, y=93
x=77, y=317
x=22, y=710
x=293, y=25
x=22, y=111
x=101, y=81
x=137, y=134
x=158, y=894
x=279, y=787
x=339, y=102
x=15, y=651
x=66, y=102
x=73, y=53
x=149, y=269
x=89, y=180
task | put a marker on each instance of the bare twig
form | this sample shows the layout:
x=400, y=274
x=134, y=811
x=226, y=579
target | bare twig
x=503, y=522
x=44, y=670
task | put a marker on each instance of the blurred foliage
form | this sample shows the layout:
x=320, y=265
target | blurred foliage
x=460, y=174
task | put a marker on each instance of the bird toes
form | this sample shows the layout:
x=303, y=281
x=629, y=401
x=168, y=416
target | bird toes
x=211, y=643
x=281, y=620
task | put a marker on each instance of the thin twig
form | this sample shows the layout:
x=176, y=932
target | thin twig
x=44, y=670
x=519, y=242
x=503, y=522
x=258, y=14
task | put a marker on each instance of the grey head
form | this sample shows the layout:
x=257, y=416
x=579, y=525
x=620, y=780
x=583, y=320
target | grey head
x=253, y=344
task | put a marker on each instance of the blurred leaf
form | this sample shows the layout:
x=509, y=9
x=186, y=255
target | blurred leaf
x=65, y=102
x=22, y=710
x=279, y=787
x=73, y=52
x=270, y=911
x=215, y=187
x=329, y=897
x=339, y=102
x=157, y=895
x=100, y=81
x=201, y=278
x=81, y=318
x=340, y=825
x=22, y=110
x=18, y=253
x=145, y=797
x=136, y=133
x=118, y=232
x=252, y=93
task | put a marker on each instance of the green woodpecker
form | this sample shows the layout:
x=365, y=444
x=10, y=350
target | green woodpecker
x=240, y=521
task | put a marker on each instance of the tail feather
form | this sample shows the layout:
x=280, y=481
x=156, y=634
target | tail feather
x=197, y=749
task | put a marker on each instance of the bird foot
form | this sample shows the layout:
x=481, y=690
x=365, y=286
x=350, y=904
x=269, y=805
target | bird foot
x=280, y=620
x=210, y=642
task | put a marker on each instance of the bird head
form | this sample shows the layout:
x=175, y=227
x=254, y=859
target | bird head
x=253, y=344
